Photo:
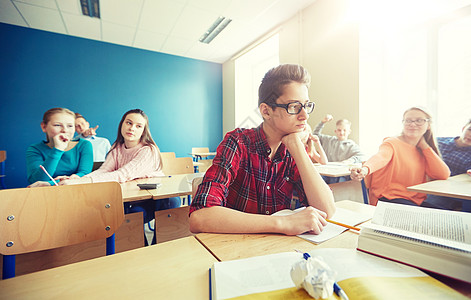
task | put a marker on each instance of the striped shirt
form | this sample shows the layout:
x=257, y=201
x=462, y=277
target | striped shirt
x=243, y=177
x=457, y=158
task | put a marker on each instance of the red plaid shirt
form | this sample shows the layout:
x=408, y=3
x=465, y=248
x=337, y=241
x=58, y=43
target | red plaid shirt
x=243, y=177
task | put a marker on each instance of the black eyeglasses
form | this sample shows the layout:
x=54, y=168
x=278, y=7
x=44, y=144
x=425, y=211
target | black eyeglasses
x=294, y=108
x=419, y=122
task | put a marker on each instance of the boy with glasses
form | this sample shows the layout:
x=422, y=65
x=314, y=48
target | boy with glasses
x=256, y=171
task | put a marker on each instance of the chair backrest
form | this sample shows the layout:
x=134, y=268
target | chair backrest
x=97, y=165
x=34, y=219
x=3, y=157
x=172, y=224
x=347, y=190
x=204, y=164
x=167, y=155
x=199, y=150
x=178, y=165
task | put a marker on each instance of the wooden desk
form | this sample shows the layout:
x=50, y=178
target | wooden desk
x=174, y=270
x=131, y=192
x=170, y=186
x=202, y=154
x=235, y=246
x=333, y=170
x=458, y=186
x=339, y=170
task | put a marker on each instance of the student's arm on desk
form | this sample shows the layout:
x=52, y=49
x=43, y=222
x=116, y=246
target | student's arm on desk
x=318, y=193
x=219, y=219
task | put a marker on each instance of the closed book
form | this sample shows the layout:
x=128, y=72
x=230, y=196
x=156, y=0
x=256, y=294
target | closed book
x=431, y=239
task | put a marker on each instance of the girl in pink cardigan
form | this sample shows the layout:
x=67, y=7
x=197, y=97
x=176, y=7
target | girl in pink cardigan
x=133, y=155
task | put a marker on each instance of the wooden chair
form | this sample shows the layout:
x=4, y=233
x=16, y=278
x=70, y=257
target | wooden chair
x=42, y=218
x=195, y=150
x=194, y=185
x=204, y=164
x=178, y=165
x=167, y=155
x=347, y=190
x=172, y=224
x=3, y=157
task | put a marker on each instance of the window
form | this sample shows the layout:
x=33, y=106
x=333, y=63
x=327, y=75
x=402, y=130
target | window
x=249, y=71
x=421, y=58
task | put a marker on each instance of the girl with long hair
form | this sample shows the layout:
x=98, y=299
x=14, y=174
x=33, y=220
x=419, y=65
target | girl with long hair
x=133, y=155
x=405, y=160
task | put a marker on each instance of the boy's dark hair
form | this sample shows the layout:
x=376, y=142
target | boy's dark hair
x=276, y=78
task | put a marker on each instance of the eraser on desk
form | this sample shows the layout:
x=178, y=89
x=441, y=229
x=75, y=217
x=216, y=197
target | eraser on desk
x=148, y=186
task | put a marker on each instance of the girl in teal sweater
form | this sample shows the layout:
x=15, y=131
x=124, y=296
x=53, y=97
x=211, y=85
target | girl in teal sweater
x=59, y=155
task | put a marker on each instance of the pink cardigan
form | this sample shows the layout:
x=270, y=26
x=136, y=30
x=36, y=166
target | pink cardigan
x=123, y=164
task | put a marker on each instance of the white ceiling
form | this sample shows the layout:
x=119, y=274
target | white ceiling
x=168, y=26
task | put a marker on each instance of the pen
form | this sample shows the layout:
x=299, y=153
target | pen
x=48, y=174
x=341, y=293
x=343, y=225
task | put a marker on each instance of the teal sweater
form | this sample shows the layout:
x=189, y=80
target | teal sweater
x=78, y=160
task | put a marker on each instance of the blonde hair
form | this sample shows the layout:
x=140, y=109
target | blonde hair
x=57, y=110
x=428, y=135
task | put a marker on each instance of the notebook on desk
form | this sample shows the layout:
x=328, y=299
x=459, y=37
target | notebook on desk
x=342, y=215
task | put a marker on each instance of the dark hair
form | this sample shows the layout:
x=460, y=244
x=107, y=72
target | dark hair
x=57, y=110
x=276, y=78
x=146, y=137
x=428, y=135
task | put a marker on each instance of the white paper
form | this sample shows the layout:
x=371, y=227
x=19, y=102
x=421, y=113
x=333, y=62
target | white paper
x=344, y=216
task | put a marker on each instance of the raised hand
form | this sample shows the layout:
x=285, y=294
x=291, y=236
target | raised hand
x=327, y=118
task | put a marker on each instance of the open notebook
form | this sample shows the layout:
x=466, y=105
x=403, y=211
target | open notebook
x=342, y=215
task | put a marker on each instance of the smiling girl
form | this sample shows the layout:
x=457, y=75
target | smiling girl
x=408, y=159
x=59, y=155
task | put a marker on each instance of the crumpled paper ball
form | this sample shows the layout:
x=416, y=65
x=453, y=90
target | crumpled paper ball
x=314, y=276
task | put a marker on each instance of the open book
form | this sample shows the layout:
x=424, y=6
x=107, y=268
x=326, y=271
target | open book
x=360, y=275
x=430, y=239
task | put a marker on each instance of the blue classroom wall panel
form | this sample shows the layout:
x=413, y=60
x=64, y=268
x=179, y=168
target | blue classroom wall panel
x=40, y=70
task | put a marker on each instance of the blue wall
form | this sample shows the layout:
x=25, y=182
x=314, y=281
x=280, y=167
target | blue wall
x=40, y=70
